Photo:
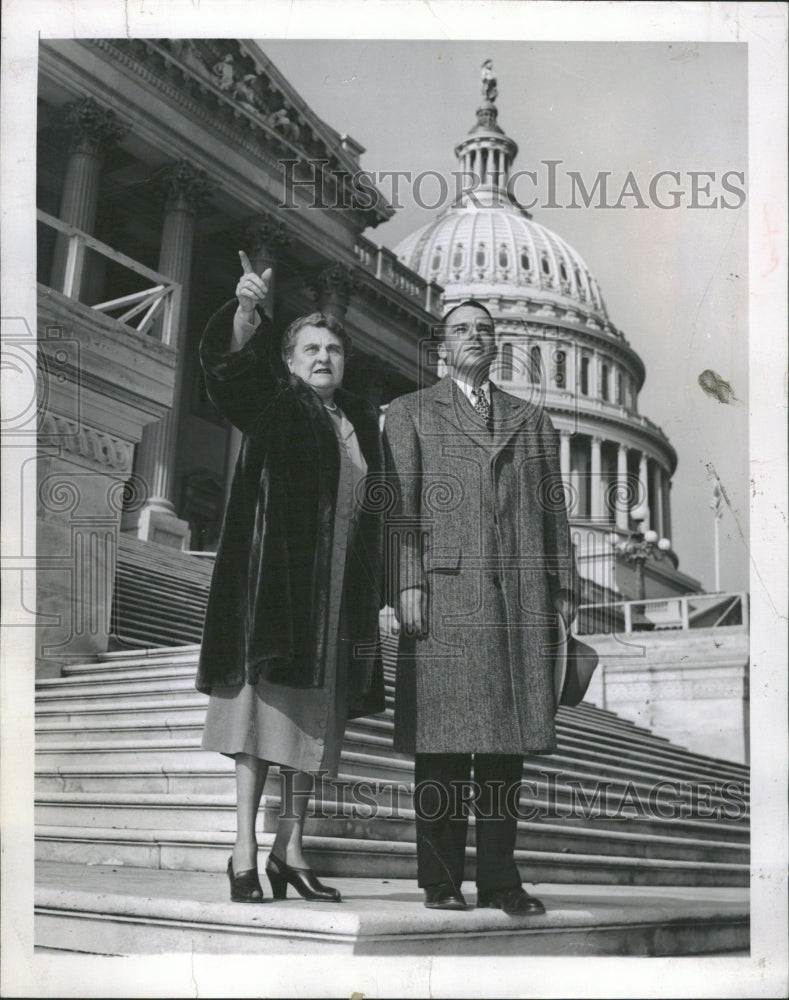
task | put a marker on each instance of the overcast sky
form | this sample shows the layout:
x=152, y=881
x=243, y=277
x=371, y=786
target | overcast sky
x=674, y=280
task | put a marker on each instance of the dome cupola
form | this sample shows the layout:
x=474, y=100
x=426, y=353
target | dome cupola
x=487, y=245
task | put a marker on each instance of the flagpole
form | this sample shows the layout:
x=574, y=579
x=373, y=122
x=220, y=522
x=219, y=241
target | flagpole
x=717, y=514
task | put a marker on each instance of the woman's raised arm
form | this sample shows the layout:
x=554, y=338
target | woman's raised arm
x=237, y=351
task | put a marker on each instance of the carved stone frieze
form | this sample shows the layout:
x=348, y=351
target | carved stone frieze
x=87, y=442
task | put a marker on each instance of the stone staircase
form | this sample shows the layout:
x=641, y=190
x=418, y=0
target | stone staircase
x=160, y=595
x=121, y=782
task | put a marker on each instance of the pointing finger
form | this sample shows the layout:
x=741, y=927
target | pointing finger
x=245, y=262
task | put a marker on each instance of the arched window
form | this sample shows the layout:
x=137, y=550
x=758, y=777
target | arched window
x=535, y=365
x=525, y=260
x=438, y=256
x=546, y=265
x=563, y=271
x=620, y=389
x=504, y=257
x=457, y=257
x=585, y=375
x=506, y=366
x=481, y=257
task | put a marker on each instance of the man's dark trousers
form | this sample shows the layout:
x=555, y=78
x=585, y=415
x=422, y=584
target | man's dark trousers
x=442, y=821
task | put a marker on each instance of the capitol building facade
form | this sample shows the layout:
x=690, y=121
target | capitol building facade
x=558, y=347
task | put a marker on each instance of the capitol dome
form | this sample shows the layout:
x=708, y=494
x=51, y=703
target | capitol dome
x=556, y=345
x=495, y=249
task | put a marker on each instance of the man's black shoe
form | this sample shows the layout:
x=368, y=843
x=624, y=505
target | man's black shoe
x=444, y=897
x=515, y=902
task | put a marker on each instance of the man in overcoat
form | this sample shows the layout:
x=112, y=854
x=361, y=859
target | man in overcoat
x=481, y=564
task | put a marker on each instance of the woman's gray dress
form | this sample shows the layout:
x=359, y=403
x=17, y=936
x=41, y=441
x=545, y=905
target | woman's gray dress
x=302, y=728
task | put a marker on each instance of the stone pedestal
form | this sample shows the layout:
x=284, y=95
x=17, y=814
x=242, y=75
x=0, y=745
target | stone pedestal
x=690, y=686
x=79, y=503
x=100, y=383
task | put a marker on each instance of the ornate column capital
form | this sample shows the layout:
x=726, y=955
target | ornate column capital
x=264, y=235
x=182, y=186
x=91, y=128
x=333, y=285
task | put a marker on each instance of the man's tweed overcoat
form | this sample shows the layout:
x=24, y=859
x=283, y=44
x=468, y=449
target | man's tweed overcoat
x=269, y=601
x=479, y=522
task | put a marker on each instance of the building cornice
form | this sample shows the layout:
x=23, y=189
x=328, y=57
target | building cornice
x=243, y=125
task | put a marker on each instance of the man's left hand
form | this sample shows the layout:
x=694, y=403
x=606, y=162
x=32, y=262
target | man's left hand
x=564, y=604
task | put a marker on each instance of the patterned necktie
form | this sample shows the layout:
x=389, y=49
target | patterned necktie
x=481, y=404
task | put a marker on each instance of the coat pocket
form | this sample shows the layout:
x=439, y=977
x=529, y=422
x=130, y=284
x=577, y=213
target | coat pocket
x=444, y=560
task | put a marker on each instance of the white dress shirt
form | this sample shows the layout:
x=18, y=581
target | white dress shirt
x=467, y=388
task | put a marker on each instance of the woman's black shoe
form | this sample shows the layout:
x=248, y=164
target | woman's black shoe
x=244, y=887
x=303, y=881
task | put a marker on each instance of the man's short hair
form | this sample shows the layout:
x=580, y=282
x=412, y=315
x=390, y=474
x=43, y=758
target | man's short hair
x=323, y=321
x=466, y=302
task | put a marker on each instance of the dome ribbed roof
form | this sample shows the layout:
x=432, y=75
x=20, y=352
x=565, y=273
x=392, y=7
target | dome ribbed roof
x=489, y=247
x=497, y=250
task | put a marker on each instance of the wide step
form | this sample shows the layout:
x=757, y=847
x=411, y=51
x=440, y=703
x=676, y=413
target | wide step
x=116, y=911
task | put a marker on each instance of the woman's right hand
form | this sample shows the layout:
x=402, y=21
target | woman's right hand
x=251, y=289
x=251, y=292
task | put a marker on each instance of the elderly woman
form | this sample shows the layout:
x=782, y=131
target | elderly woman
x=290, y=647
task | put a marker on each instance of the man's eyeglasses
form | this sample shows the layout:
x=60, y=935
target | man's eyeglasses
x=481, y=326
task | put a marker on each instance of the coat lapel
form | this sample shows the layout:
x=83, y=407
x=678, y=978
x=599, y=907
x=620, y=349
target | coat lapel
x=510, y=414
x=450, y=404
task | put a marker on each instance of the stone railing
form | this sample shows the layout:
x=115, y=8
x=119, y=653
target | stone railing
x=140, y=310
x=386, y=267
x=688, y=611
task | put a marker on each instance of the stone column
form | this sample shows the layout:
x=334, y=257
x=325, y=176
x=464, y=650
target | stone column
x=564, y=454
x=596, y=481
x=622, y=489
x=91, y=131
x=570, y=374
x=333, y=287
x=264, y=238
x=657, y=492
x=564, y=465
x=594, y=376
x=643, y=489
x=666, y=505
x=182, y=186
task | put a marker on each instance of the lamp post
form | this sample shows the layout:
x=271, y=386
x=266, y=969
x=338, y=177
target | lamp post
x=638, y=547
